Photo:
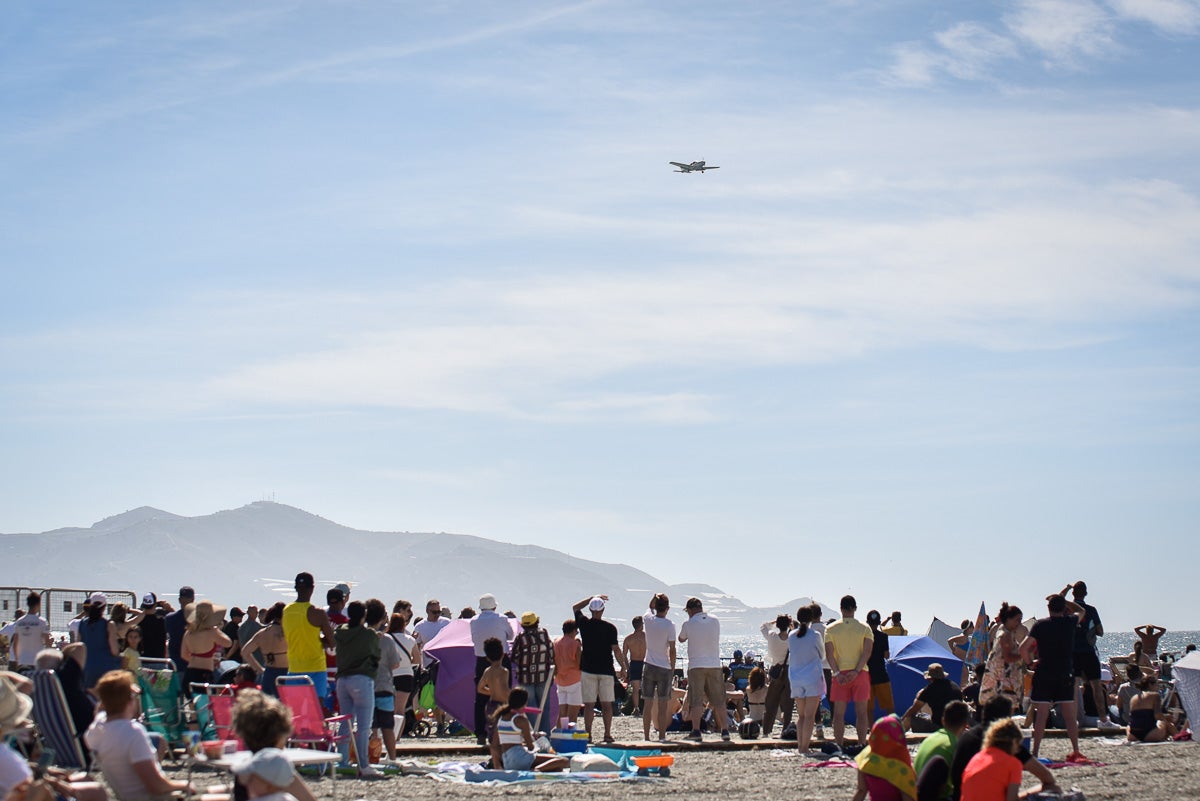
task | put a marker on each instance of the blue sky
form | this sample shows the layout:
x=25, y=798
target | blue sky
x=929, y=335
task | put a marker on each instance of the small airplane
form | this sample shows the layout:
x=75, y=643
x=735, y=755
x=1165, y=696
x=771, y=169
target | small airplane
x=695, y=166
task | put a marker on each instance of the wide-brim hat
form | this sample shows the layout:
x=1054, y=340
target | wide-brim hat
x=203, y=614
x=15, y=706
x=935, y=671
x=529, y=619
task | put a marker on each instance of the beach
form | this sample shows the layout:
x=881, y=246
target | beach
x=1141, y=772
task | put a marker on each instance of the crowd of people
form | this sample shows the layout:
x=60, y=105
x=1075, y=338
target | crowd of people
x=371, y=664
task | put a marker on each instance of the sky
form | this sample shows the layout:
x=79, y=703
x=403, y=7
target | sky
x=929, y=335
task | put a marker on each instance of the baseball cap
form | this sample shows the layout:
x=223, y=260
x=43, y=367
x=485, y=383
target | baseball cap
x=597, y=604
x=236, y=612
x=529, y=619
x=270, y=765
x=97, y=599
x=344, y=587
x=487, y=601
x=304, y=579
x=149, y=600
x=751, y=656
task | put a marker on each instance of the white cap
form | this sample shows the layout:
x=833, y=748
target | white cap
x=487, y=601
x=97, y=599
x=597, y=604
x=750, y=656
x=270, y=765
x=344, y=588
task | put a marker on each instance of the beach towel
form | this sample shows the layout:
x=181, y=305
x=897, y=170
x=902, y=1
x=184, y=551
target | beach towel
x=1087, y=763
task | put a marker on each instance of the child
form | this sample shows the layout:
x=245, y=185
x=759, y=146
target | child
x=266, y=775
x=495, y=681
x=244, y=679
x=511, y=739
x=131, y=659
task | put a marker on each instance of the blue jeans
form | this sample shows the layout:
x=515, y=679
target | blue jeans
x=356, y=696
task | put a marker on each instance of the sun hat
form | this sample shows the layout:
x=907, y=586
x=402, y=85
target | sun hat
x=269, y=764
x=15, y=706
x=935, y=671
x=97, y=599
x=487, y=601
x=597, y=604
x=204, y=614
x=529, y=619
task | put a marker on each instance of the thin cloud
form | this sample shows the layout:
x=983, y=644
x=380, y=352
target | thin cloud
x=1066, y=32
x=1174, y=17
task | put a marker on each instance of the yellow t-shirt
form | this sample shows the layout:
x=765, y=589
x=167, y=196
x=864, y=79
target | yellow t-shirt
x=305, y=654
x=847, y=636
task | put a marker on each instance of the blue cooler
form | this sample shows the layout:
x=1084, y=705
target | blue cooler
x=569, y=741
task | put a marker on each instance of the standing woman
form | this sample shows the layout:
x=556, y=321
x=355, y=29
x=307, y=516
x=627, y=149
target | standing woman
x=99, y=634
x=357, y=650
x=273, y=645
x=1004, y=672
x=403, y=681
x=201, y=642
x=806, y=646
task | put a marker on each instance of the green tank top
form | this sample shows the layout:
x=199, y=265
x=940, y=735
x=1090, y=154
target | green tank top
x=305, y=654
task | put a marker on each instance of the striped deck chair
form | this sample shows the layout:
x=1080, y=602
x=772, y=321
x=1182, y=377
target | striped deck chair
x=162, y=692
x=54, y=723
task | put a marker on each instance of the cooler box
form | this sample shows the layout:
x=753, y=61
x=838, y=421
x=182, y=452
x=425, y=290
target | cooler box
x=569, y=741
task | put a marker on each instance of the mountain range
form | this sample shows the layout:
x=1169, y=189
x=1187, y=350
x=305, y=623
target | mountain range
x=251, y=555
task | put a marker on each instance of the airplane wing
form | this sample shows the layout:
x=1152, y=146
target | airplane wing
x=677, y=164
x=709, y=168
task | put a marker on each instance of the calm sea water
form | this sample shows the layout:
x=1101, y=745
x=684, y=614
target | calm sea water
x=1117, y=643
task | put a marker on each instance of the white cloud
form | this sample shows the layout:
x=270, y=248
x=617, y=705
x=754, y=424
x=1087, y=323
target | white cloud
x=972, y=50
x=1065, y=31
x=1177, y=17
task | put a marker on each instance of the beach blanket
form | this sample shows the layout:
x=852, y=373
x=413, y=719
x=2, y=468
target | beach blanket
x=471, y=772
x=1089, y=763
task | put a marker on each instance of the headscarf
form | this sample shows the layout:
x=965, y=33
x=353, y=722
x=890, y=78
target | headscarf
x=886, y=756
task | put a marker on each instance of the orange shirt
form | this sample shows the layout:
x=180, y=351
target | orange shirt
x=988, y=775
x=567, y=653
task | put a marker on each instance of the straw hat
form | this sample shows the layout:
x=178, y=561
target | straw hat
x=935, y=671
x=203, y=614
x=15, y=706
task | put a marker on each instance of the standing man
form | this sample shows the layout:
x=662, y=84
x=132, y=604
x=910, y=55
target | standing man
x=426, y=672
x=702, y=633
x=154, y=628
x=1054, y=669
x=634, y=648
x=176, y=625
x=250, y=626
x=28, y=635
x=658, y=674
x=1084, y=656
x=308, y=633
x=532, y=658
x=848, y=644
x=234, y=651
x=484, y=626
x=600, y=645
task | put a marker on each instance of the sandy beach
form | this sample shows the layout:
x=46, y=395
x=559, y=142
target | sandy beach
x=1144, y=773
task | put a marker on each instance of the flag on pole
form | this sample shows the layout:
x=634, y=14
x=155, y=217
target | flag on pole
x=977, y=651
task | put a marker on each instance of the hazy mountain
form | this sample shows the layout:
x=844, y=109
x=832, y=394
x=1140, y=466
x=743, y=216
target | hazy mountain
x=251, y=554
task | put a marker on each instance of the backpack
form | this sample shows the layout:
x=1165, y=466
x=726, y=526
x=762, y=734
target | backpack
x=789, y=732
x=749, y=729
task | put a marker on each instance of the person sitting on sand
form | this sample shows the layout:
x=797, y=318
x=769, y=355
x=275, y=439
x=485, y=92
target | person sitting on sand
x=885, y=769
x=1146, y=721
x=936, y=753
x=970, y=742
x=1124, y=694
x=495, y=682
x=756, y=694
x=512, y=738
x=1139, y=657
x=1148, y=636
x=935, y=695
x=994, y=774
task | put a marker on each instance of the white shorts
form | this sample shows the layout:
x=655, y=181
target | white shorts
x=598, y=687
x=570, y=694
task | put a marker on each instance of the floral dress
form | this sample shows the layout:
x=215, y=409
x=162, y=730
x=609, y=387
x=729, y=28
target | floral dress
x=1002, y=675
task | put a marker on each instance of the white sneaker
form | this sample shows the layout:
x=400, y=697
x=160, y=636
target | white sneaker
x=368, y=773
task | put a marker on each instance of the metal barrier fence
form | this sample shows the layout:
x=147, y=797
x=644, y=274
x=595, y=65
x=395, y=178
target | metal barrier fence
x=60, y=605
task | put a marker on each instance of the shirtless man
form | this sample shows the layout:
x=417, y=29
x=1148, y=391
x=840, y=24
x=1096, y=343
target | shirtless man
x=634, y=648
x=1150, y=634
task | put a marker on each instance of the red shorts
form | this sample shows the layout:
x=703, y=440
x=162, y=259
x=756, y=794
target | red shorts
x=858, y=691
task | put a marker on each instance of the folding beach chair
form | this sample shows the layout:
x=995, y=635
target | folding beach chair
x=162, y=694
x=54, y=722
x=311, y=728
x=219, y=709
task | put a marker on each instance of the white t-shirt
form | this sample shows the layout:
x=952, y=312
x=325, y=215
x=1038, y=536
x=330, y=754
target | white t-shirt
x=400, y=638
x=425, y=631
x=117, y=745
x=702, y=633
x=777, y=647
x=13, y=770
x=488, y=624
x=660, y=633
x=28, y=636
